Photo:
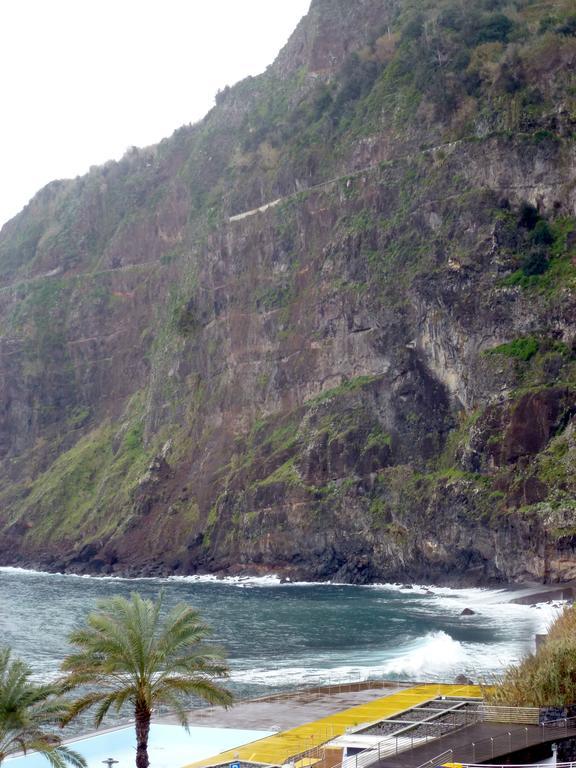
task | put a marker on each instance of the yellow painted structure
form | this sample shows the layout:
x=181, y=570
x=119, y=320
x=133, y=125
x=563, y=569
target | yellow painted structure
x=280, y=747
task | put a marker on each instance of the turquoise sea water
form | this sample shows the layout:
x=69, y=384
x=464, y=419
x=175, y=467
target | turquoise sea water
x=285, y=636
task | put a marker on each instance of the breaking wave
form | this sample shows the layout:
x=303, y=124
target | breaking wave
x=436, y=654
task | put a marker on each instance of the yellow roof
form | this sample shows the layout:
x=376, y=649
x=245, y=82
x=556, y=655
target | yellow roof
x=280, y=747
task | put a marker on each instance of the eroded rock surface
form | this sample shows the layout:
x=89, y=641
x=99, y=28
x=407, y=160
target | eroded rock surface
x=374, y=378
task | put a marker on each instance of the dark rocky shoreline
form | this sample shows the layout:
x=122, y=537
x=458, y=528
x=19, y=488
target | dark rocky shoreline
x=531, y=593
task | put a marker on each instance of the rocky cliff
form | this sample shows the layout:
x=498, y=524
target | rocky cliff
x=329, y=331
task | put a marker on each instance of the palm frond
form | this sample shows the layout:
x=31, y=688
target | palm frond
x=126, y=653
x=28, y=712
x=83, y=703
x=199, y=687
x=59, y=756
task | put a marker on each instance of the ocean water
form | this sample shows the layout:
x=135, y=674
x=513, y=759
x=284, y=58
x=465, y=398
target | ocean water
x=281, y=636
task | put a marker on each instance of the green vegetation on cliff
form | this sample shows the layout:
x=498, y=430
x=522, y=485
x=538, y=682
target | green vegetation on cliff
x=381, y=364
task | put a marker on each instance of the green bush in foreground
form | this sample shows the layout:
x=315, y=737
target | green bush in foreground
x=544, y=678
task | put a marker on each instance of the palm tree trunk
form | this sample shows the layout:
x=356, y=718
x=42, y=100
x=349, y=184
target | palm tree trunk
x=143, y=716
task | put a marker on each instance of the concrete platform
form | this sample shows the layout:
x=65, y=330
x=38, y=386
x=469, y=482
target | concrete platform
x=285, y=711
x=301, y=740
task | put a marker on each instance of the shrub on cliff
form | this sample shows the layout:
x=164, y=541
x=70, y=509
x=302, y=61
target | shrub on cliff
x=495, y=28
x=542, y=234
x=535, y=263
x=528, y=216
x=568, y=27
x=357, y=79
x=523, y=349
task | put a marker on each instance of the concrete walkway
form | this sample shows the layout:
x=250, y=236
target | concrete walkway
x=284, y=711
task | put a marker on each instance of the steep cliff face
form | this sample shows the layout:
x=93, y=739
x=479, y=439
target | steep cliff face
x=329, y=331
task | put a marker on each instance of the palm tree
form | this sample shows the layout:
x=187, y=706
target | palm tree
x=28, y=714
x=126, y=654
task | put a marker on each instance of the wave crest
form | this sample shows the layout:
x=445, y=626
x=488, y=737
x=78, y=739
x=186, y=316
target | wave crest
x=435, y=654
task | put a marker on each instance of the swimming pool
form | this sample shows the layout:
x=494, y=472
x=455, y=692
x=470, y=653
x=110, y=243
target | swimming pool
x=169, y=746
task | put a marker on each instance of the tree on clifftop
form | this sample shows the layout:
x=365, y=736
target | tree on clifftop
x=126, y=654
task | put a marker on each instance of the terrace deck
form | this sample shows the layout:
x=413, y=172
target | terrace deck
x=280, y=748
x=482, y=742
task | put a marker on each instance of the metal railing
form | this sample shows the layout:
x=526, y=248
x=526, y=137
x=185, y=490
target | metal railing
x=519, y=738
x=518, y=765
x=392, y=745
x=328, y=688
x=510, y=741
x=484, y=749
x=323, y=687
x=443, y=757
x=520, y=715
x=408, y=736
x=562, y=722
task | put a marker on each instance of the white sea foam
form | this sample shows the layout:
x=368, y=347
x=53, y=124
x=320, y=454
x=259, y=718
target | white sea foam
x=23, y=571
x=435, y=656
x=107, y=577
x=270, y=580
x=438, y=656
x=483, y=595
x=234, y=581
x=494, y=606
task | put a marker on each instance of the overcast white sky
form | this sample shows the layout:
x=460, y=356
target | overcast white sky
x=83, y=80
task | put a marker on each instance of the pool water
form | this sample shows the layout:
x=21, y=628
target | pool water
x=169, y=746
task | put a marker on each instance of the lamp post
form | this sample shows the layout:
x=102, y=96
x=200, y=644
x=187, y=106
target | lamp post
x=109, y=762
